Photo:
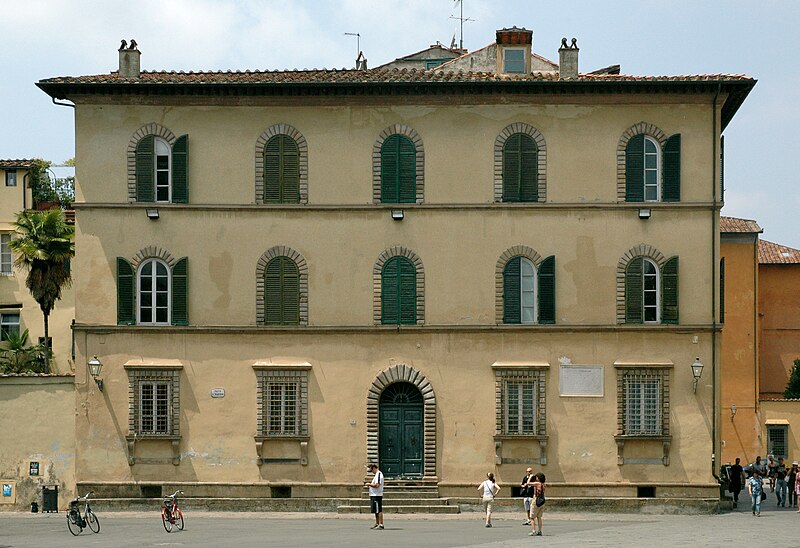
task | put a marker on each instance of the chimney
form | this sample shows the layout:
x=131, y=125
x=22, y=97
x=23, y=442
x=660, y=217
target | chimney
x=129, y=60
x=568, y=60
x=514, y=51
x=361, y=61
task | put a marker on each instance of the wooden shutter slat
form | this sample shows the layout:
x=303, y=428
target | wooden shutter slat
x=529, y=170
x=511, y=168
x=671, y=189
x=634, y=169
x=145, y=169
x=180, y=292
x=407, y=290
x=407, y=171
x=290, y=292
x=125, y=293
x=634, y=288
x=180, y=170
x=512, y=312
x=390, y=298
x=291, y=171
x=669, y=291
x=389, y=168
x=547, y=290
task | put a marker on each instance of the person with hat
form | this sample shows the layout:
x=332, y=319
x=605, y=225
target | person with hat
x=792, y=485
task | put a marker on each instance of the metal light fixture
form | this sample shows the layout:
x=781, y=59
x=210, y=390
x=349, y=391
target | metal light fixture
x=152, y=213
x=697, y=371
x=398, y=214
x=94, y=369
x=733, y=410
x=644, y=213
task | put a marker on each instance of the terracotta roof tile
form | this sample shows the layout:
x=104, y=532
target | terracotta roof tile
x=350, y=76
x=16, y=163
x=734, y=224
x=772, y=253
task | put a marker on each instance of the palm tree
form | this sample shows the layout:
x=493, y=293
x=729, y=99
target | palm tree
x=18, y=357
x=44, y=247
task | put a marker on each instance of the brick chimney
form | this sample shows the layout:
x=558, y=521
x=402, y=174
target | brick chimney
x=568, y=60
x=129, y=60
x=514, y=51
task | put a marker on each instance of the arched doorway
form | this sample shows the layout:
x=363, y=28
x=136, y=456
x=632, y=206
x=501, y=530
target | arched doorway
x=401, y=438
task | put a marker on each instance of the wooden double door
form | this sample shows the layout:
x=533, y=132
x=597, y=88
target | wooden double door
x=401, y=431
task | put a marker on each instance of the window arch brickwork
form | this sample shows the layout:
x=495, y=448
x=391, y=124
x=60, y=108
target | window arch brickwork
x=153, y=252
x=148, y=129
x=642, y=128
x=499, y=142
x=377, y=269
x=302, y=147
x=403, y=373
x=397, y=129
x=641, y=250
x=516, y=251
x=302, y=267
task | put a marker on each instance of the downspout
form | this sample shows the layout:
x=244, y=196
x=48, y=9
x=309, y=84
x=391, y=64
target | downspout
x=25, y=190
x=714, y=283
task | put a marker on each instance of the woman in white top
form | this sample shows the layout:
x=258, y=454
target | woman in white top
x=488, y=490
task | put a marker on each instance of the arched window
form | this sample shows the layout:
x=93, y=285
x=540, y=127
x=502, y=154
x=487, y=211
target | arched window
x=281, y=292
x=281, y=171
x=651, y=293
x=399, y=292
x=528, y=291
x=160, y=168
x=153, y=291
x=398, y=170
x=652, y=168
x=520, y=169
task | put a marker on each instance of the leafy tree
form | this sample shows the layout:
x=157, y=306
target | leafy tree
x=44, y=247
x=18, y=357
x=793, y=386
x=46, y=187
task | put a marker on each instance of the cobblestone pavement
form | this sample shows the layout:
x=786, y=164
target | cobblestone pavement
x=124, y=529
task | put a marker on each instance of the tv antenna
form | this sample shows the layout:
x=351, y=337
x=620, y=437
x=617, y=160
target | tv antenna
x=358, y=44
x=462, y=19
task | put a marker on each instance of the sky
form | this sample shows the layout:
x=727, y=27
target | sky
x=47, y=38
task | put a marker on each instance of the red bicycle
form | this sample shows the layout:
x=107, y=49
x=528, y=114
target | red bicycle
x=170, y=513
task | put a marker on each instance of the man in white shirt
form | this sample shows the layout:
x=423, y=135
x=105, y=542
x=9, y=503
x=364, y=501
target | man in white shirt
x=376, y=496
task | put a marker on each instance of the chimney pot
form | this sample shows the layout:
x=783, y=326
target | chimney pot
x=568, y=60
x=129, y=60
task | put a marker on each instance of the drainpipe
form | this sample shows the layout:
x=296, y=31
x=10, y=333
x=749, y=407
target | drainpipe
x=25, y=190
x=714, y=282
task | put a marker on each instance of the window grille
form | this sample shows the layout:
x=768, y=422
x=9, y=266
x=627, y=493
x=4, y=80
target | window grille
x=776, y=440
x=644, y=406
x=5, y=255
x=154, y=402
x=282, y=402
x=520, y=402
x=520, y=407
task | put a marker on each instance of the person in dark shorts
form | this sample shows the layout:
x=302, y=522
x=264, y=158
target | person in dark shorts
x=376, y=495
x=527, y=495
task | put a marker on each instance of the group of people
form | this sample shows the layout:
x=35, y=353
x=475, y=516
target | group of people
x=532, y=488
x=782, y=481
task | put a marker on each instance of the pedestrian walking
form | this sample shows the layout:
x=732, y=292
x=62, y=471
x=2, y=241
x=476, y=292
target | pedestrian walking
x=755, y=487
x=488, y=490
x=771, y=466
x=527, y=495
x=537, y=508
x=780, y=482
x=376, y=495
x=791, y=483
x=758, y=465
x=735, y=480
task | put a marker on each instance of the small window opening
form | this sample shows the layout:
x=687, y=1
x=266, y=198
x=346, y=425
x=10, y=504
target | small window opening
x=646, y=492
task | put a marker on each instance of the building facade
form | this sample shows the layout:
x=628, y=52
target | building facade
x=288, y=274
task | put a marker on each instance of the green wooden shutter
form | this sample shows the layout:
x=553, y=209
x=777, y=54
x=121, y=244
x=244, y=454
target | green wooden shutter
x=281, y=171
x=669, y=291
x=722, y=290
x=407, y=171
x=511, y=168
x=511, y=292
x=547, y=290
x=145, y=168
x=180, y=292
x=126, y=315
x=282, y=292
x=671, y=189
x=180, y=170
x=634, y=169
x=529, y=170
x=390, y=297
x=634, y=291
x=407, y=290
x=722, y=167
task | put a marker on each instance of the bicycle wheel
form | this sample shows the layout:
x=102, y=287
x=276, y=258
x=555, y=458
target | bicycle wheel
x=72, y=523
x=166, y=520
x=179, y=520
x=92, y=521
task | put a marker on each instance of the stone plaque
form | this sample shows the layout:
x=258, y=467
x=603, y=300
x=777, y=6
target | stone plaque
x=217, y=392
x=581, y=380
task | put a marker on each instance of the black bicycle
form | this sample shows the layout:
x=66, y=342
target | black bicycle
x=76, y=521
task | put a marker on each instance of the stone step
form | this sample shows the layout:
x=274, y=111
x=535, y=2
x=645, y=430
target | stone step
x=218, y=504
x=393, y=493
x=433, y=501
x=398, y=509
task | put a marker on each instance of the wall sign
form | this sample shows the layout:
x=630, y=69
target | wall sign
x=34, y=468
x=217, y=392
x=581, y=380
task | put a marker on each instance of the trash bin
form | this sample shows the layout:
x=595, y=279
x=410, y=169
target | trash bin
x=49, y=498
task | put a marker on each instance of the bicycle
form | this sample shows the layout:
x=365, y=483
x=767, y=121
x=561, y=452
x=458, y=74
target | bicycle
x=77, y=522
x=170, y=513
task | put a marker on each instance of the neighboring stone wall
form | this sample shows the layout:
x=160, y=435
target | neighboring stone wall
x=37, y=424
